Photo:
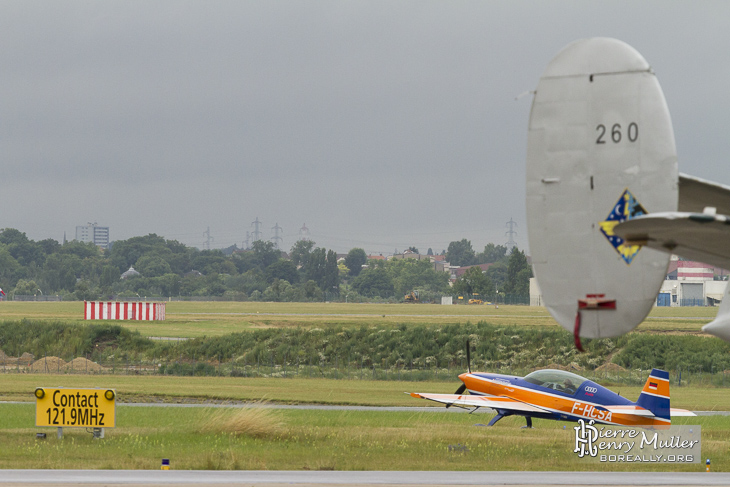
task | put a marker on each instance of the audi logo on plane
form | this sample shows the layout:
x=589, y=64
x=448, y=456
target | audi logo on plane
x=591, y=390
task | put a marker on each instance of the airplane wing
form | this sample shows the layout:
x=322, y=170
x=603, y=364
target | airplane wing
x=698, y=236
x=493, y=402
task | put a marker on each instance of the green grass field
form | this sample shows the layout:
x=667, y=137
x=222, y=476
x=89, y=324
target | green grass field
x=318, y=440
x=194, y=319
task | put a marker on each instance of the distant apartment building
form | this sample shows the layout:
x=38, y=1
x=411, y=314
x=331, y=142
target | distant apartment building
x=93, y=233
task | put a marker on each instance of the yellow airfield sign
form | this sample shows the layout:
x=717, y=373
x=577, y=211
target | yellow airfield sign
x=62, y=407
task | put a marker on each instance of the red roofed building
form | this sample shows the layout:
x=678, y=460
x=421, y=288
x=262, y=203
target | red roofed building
x=688, y=270
x=458, y=272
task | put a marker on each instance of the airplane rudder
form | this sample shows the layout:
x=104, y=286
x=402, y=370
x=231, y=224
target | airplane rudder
x=657, y=383
x=659, y=374
x=655, y=394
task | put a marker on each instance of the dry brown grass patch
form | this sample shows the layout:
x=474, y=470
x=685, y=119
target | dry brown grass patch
x=255, y=421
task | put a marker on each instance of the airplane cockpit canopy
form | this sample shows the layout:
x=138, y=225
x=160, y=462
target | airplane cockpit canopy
x=558, y=380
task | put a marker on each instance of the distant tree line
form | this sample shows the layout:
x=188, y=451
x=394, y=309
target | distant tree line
x=508, y=274
x=83, y=271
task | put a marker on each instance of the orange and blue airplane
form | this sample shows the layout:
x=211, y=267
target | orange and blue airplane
x=562, y=396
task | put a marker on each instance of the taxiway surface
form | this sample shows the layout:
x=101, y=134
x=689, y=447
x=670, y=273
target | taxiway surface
x=30, y=478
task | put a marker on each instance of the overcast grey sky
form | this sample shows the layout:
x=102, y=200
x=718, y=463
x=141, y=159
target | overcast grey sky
x=379, y=124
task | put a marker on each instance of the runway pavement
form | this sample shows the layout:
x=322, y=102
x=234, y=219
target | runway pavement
x=29, y=478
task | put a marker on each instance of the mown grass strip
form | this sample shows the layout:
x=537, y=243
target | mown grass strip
x=320, y=440
x=195, y=319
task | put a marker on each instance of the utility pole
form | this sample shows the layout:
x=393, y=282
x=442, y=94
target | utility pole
x=208, y=238
x=511, y=233
x=256, y=232
x=277, y=239
x=246, y=243
x=304, y=232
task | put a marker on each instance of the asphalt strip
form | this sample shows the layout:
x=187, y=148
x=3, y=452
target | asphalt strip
x=273, y=478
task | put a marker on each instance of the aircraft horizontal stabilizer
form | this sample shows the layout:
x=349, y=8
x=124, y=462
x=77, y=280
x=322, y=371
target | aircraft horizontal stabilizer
x=502, y=403
x=639, y=411
x=681, y=412
x=633, y=410
x=698, y=236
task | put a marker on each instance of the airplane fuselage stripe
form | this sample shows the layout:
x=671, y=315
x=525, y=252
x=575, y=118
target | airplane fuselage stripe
x=655, y=395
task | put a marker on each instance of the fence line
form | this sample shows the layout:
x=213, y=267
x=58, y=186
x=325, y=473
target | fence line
x=515, y=299
x=31, y=297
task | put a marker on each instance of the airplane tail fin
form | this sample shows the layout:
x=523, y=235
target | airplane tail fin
x=579, y=187
x=655, y=394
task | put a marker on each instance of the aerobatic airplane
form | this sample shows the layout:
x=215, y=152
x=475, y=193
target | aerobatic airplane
x=562, y=396
x=606, y=205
